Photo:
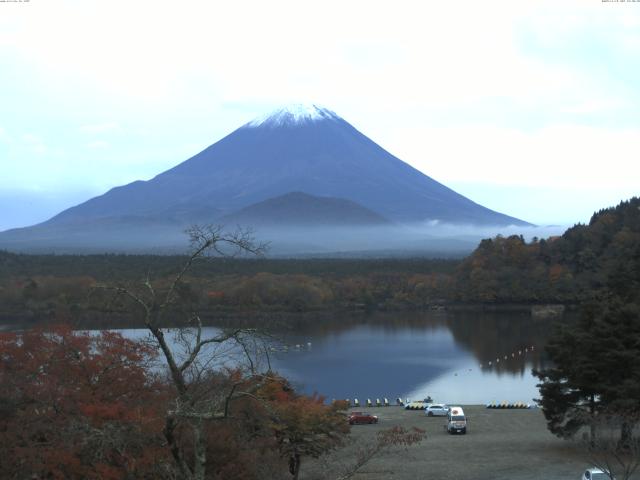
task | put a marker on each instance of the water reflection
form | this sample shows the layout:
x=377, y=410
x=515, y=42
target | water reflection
x=442, y=354
x=454, y=357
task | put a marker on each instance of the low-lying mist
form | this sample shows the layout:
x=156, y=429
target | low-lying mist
x=431, y=239
x=440, y=240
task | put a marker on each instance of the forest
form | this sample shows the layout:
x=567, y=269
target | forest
x=503, y=270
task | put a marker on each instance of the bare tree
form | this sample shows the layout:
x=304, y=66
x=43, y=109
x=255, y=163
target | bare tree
x=385, y=440
x=201, y=395
x=616, y=448
x=393, y=439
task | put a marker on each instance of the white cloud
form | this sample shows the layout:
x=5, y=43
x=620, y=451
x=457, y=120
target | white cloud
x=427, y=53
x=100, y=127
x=98, y=145
x=590, y=106
x=34, y=143
x=4, y=136
x=31, y=138
x=571, y=156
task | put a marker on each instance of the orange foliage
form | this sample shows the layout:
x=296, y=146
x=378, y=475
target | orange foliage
x=556, y=272
x=77, y=405
x=303, y=425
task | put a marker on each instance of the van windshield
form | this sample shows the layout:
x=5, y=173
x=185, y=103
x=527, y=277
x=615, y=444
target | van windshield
x=458, y=418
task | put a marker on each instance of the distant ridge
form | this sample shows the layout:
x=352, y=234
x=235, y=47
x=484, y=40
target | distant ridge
x=302, y=209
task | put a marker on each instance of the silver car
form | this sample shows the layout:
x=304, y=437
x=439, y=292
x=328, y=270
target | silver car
x=595, y=474
x=436, y=410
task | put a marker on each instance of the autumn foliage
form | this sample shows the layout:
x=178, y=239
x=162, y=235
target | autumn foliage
x=76, y=405
x=304, y=426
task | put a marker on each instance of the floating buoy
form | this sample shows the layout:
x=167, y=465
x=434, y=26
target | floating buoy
x=509, y=405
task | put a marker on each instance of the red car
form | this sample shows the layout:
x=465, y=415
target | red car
x=362, y=417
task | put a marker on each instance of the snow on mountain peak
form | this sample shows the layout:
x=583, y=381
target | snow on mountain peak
x=293, y=114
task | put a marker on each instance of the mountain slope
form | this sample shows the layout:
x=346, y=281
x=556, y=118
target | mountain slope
x=301, y=149
x=309, y=150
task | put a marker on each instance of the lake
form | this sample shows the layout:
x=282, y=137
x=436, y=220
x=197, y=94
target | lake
x=454, y=357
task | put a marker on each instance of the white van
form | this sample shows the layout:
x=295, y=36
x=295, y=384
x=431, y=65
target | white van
x=456, y=420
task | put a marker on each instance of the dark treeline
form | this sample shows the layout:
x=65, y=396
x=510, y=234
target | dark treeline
x=567, y=269
x=120, y=266
x=592, y=386
x=59, y=286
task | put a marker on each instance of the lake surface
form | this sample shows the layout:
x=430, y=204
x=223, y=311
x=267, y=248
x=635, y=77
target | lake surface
x=454, y=357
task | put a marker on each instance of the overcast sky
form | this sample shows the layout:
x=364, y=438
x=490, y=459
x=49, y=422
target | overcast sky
x=527, y=107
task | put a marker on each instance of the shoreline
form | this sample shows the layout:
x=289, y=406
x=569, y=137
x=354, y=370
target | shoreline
x=214, y=317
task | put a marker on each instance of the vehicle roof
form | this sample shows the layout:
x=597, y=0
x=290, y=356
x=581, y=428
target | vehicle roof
x=437, y=405
x=456, y=410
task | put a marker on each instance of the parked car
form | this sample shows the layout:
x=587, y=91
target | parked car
x=456, y=420
x=436, y=410
x=595, y=474
x=362, y=417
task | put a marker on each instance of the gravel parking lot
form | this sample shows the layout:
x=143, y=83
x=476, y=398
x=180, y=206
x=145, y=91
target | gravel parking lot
x=499, y=444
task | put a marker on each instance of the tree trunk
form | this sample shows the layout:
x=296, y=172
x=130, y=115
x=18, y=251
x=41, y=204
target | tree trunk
x=200, y=450
x=169, y=430
x=294, y=465
x=592, y=423
x=626, y=432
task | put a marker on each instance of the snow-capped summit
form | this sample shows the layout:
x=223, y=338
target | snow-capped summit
x=293, y=114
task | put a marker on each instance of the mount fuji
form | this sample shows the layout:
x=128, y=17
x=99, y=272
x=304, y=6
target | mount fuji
x=304, y=149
